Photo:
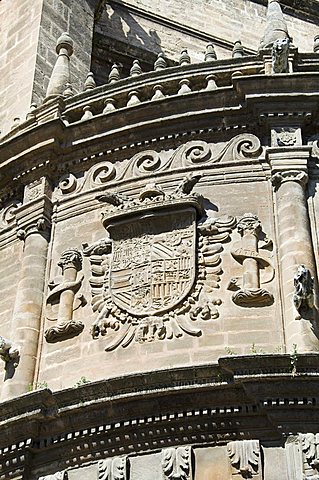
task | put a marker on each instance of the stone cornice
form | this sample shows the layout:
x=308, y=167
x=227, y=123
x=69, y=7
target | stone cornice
x=212, y=404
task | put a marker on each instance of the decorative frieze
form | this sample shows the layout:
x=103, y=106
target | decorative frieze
x=177, y=463
x=64, y=298
x=150, y=162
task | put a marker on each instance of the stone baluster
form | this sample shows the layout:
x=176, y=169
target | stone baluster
x=114, y=75
x=238, y=50
x=160, y=62
x=210, y=54
x=136, y=69
x=89, y=83
x=33, y=221
x=184, y=58
x=61, y=71
x=295, y=246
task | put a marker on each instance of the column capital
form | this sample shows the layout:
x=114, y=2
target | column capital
x=71, y=258
x=297, y=176
x=34, y=216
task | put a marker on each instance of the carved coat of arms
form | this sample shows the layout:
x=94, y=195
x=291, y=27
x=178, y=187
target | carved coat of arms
x=156, y=274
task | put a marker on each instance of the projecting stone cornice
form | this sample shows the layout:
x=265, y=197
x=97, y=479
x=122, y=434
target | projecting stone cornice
x=265, y=396
x=218, y=101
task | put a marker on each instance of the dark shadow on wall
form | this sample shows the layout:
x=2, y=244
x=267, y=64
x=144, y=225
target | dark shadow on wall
x=120, y=38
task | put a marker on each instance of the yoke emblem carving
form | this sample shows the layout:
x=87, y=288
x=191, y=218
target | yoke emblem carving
x=157, y=274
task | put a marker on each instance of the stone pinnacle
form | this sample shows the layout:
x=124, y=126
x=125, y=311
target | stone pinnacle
x=276, y=27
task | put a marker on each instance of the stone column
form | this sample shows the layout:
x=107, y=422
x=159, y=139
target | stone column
x=33, y=221
x=295, y=246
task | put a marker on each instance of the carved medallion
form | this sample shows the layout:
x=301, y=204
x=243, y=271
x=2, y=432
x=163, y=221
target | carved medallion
x=157, y=274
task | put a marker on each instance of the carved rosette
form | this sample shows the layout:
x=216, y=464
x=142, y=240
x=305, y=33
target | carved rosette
x=113, y=469
x=244, y=457
x=248, y=254
x=158, y=273
x=177, y=463
x=65, y=299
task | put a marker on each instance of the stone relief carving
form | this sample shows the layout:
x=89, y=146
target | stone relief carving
x=56, y=476
x=7, y=214
x=112, y=469
x=9, y=352
x=304, y=291
x=149, y=162
x=64, y=299
x=310, y=451
x=177, y=463
x=145, y=284
x=249, y=293
x=244, y=456
x=285, y=136
x=280, y=53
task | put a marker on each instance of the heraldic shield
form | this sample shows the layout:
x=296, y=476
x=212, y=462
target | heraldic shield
x=152, y=266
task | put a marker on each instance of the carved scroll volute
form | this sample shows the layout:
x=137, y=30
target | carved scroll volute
x=64, y=295
x=244, y=457
x=177, y=463
x=250, y=293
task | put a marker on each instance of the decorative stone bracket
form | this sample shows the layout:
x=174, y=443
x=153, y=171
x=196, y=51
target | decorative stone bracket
x=9, y=352
x=177, y=463
x=64, y=295
x=113, y=469
x=244, y=456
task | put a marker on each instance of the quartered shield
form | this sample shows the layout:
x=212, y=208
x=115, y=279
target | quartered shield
x=153, y=261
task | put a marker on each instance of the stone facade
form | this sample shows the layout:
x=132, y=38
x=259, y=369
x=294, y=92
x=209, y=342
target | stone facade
x=159, y=244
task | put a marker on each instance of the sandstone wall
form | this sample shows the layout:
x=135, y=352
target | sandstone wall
x=169, y=26
x=20, y=24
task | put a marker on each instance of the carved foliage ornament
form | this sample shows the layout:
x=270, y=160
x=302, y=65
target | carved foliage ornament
x=244, y=456
x=112, y=469
x=146, y=163
x=145, y=283
x=177, y=463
